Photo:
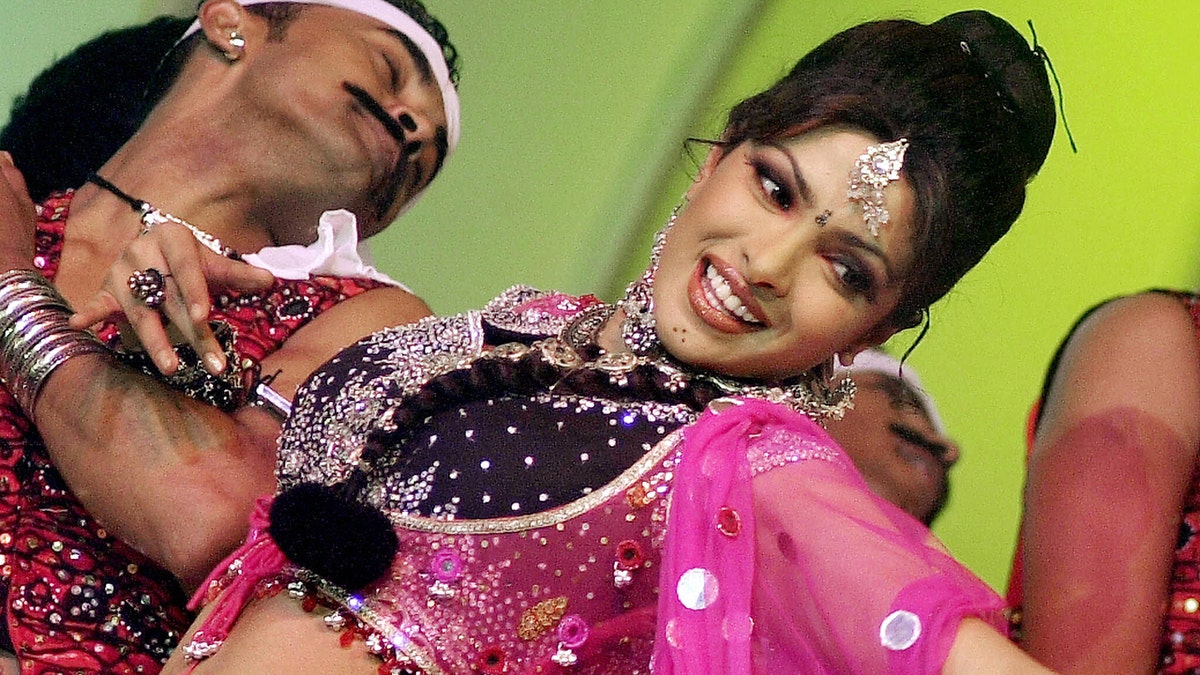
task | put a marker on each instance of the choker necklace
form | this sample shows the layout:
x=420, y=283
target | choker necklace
x=152, y=217
x=813, y=394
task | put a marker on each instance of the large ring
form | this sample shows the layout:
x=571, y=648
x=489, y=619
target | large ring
x=149, y=286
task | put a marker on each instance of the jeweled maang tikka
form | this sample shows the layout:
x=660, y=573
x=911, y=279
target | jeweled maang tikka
x=873, y=171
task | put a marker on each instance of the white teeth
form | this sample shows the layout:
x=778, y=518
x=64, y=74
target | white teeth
x=721, y=294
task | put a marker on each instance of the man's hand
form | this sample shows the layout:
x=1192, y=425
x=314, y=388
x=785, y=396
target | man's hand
x=190, y=271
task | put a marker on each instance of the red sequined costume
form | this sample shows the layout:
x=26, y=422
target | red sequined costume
x=78, y=600
x=1180, y=653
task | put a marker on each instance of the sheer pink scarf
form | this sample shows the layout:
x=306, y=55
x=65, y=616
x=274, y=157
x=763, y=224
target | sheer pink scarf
x=779, y=559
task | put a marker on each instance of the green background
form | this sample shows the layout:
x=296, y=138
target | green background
x=574, y=115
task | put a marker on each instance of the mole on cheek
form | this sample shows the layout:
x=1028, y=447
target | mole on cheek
x=787, y=547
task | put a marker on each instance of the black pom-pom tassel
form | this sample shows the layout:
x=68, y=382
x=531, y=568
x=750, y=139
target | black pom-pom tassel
x=322, y=529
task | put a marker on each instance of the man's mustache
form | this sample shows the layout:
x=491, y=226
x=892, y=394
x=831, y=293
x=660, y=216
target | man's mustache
x=372, y=106
x=385, y=194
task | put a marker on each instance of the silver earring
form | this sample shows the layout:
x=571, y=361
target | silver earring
x=238, y=42
x=638, y=329
x=833, y=391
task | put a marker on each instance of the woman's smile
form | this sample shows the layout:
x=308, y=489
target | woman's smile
x=751, y=284
x=720, y=298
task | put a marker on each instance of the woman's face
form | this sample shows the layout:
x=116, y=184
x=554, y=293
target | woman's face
x=757, y=280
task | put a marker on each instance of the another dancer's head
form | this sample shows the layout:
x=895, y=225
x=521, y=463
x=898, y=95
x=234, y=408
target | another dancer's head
x=351, y=100
x=895, y=436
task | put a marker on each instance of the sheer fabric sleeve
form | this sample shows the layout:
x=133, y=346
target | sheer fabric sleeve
x=845, y=579
x=823, y=577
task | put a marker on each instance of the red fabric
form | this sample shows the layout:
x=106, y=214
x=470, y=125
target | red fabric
x=75, y=599
x=1181, y=632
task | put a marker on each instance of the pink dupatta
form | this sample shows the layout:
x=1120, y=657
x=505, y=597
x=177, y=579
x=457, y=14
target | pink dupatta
x=779, y=559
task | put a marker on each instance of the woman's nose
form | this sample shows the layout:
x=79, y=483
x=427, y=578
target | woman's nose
x=771, y=260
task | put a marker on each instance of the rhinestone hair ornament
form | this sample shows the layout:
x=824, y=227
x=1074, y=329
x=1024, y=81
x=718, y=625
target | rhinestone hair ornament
x=874, y=170
x=394, y=17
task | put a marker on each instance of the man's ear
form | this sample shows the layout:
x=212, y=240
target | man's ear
x=223, y=23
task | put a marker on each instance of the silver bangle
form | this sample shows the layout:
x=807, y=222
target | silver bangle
x=35, y=337
x=67, y=348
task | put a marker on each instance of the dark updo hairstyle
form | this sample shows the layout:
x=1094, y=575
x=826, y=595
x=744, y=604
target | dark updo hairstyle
x=969, y=94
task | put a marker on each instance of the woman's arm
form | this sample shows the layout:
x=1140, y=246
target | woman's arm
x=979, y=649
x=1111, y=465
x=848, y=580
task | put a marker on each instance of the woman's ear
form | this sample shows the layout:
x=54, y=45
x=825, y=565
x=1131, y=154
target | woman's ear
x=223, y=24
x=715, y=154
x=876, y=337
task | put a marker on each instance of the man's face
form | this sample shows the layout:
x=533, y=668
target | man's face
x=350, y=105
x=895, y=447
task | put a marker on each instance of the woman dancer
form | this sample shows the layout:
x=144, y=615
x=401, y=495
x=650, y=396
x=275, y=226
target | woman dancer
x=489, y=492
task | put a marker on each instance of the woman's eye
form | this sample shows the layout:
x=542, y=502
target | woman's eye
x=774, y=187
x=854, y=277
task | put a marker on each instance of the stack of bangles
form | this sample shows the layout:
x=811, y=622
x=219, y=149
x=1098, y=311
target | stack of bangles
x=34, y=335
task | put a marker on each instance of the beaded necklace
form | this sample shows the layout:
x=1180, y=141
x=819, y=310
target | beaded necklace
x=571, y=362
x=151, y=216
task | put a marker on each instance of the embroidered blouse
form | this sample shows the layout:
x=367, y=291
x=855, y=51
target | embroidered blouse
x=535, y=534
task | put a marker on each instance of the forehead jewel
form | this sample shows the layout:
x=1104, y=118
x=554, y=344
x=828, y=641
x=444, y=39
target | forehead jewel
x=873, y=171
x=392, y=16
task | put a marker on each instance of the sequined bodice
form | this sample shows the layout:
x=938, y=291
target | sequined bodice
x=516, y=455
x=515, y=511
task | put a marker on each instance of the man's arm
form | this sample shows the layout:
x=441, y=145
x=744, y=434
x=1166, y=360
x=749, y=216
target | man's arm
x=1111, y=463
x=174, y=477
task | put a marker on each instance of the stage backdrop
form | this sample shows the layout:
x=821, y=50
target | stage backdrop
x=574, y=115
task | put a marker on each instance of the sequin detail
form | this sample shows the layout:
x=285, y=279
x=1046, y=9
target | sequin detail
x=900, y=630
x=697, y=589
x=539, y=619
x=729, y=523
x=782, y=448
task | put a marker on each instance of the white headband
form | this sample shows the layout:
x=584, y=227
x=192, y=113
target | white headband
x=877, y=361
x=392, y=16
